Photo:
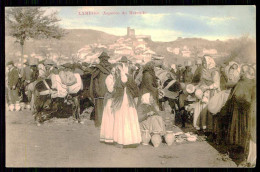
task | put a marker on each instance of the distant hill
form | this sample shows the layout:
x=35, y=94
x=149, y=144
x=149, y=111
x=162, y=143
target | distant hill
x=241, y=49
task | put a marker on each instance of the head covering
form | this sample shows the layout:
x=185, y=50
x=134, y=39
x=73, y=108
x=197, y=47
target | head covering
x=179, y=65
x=190, y=88
x=103, y=55
x=67, y=65
x=231, y=73
x=124, y=59
x=250, y=73
x=10, y=63
x=210, y=62
x=173, y=66
x=198, y=61
x=49, y=62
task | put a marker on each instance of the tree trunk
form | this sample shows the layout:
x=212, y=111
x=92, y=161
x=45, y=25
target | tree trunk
x=22, y=46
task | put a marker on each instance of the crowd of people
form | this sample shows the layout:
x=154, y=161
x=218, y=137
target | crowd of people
x=129, y=98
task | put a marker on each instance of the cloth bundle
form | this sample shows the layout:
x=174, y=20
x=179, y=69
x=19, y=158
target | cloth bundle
x=62, y=89
x=218, y=101
x=67, y=78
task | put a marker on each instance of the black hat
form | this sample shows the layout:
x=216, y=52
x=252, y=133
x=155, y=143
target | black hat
x=103, y=55
x=67, y=65
x=10, y=63
x=123, y=59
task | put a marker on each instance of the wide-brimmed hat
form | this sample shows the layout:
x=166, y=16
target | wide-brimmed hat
x=10, y=63
x=67, y=65
x=190, y=88
x=123, y=59
x=103, y=55
x=49, y=62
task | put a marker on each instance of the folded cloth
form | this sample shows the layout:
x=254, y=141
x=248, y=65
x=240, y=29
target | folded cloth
x=73, y=89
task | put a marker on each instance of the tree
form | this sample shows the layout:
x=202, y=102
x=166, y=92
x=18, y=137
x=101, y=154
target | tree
x=25, y=23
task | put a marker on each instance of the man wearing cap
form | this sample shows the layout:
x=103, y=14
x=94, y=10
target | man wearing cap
x=198, y=71
x=51, y=68
x=98, y=87
x=187, y=74
x=30, y=75
x=173, y=70
x=13, y=79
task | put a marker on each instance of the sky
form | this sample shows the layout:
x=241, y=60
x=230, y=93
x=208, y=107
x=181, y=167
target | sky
x=163, y=23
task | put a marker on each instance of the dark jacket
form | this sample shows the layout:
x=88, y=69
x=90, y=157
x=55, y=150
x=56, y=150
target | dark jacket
x=187, y=75
x=98, y=77
x=13, y=77
x=197, y=74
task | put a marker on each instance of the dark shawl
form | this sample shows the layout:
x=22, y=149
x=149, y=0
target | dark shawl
x=103, y=68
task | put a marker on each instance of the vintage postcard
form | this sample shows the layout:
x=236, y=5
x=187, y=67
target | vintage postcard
x=130, y=86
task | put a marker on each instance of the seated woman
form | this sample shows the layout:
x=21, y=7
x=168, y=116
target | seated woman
x=149, y=117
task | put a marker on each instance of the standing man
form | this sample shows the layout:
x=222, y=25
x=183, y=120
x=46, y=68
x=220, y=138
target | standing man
x=179, y=73
x=98, y=87
x=198, y=72
x=13, y=79
x=30, y=75
x=187, y=74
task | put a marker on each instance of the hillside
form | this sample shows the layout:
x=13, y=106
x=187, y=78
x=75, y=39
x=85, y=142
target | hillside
x=242, y=49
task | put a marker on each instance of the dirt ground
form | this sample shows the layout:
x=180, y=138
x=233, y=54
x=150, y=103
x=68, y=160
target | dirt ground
x=65, y=143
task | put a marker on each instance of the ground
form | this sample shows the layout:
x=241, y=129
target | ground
x=65, y=143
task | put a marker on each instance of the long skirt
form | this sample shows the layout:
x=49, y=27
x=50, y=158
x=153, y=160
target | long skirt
x=126, y=125
x=238, y=134
x=98, y=111
x=153, y=124
x=107, y=125
x=252, y=153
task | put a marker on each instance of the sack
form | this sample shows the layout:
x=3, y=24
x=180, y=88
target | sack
x=67, y=78
x=218, y=101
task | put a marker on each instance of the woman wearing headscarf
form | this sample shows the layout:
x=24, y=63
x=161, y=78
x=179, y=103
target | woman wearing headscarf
x=233, y=72
x=209, y=84
x=242, y=97
x=126, y=126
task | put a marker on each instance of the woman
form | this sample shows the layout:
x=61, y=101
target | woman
x=233, y=72
x=241, y=99
x=210, y=84
x=107, y=125
x=149, y=84
x=126, y=125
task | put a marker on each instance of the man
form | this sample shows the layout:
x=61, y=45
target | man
x=198, y=72
x=97, y=85
x=187, y=74
x=13, y=79
x=51, y=68
x=30, y=75
x=179, y=73
x=173, y=71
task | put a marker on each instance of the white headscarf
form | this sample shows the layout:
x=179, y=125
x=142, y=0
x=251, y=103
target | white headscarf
x=210, y=62
x=233, y=75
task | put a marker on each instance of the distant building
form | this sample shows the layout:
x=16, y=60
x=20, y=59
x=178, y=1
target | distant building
x=186, y=53
x=130, y=32
x=124, y=51
x=176, y=51
x=210, y=51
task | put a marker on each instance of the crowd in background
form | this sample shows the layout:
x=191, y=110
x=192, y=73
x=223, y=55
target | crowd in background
x=129, y=97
